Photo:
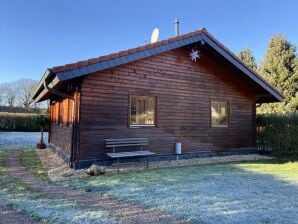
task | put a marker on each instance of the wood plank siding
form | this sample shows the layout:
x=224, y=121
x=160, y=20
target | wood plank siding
x=61, y=125
x=184, y=90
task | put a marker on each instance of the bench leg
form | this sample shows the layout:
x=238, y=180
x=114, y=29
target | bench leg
x=147, y=165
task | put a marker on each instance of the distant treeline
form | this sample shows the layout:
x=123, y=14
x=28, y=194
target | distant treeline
x=23, y=121
x=278, y=133
x=21, y=110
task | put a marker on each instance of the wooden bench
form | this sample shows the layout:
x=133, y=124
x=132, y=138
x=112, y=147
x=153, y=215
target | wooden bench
x=128, y=142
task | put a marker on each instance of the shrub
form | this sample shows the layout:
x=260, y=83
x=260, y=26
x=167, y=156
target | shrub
x=278, y=133
x=23, y=122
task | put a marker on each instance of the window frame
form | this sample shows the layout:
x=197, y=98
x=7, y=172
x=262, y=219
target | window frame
x=228, y=115
x=155, y=111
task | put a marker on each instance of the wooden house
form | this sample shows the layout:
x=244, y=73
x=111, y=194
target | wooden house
x=188, y=88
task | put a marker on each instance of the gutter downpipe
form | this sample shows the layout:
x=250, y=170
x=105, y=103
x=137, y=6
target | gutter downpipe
x=63, y=95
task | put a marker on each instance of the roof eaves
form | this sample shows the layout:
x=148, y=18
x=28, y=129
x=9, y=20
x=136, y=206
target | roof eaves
x=39, y=87
x=41, y=95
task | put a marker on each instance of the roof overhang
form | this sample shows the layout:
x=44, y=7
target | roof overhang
x=211, y=41
x=63, y=73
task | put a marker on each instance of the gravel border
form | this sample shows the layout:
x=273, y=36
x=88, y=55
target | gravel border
x=58, y=170
x=55, y=167
x=126, y=167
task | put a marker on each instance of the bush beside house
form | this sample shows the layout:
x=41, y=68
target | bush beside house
x=23, y=121
x=278, y=133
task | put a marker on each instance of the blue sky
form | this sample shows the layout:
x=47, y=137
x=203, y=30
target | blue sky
x=35, y=34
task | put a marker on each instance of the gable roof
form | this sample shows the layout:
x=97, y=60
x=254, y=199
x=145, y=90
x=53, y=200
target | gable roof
x=60, y=74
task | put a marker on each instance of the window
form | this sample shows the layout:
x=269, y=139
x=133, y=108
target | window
x=219, y=114
x=142, y=111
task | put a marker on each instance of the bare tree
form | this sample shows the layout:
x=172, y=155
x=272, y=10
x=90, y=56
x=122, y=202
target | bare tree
x=18, y=93
x=25, y=89
x=2, y=102
x=10, y=93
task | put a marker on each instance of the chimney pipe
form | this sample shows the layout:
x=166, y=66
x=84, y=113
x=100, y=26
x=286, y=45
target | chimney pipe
x=176, y=27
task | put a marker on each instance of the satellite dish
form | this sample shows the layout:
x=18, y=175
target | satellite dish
x=154, y=35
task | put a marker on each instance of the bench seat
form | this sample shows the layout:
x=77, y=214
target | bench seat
x=129, y=154
x=128, y=142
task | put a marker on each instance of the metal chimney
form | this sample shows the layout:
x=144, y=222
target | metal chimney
x=176, y=27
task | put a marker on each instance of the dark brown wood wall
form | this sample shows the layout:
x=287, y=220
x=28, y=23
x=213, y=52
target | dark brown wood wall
x=184, y=90
x=61, y=124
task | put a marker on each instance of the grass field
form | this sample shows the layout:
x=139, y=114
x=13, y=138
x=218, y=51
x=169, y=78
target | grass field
x=246, y=192
x=41, y=206
x=30, y=160
x=242, y=192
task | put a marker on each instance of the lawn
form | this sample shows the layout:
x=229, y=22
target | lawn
x=40, y=205
x=244, y=192
x=30, y=160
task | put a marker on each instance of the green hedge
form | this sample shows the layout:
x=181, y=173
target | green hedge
x=278, y=133
x=23, y=122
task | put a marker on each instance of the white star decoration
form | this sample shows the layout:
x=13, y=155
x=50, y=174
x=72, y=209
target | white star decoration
x=194, y=55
